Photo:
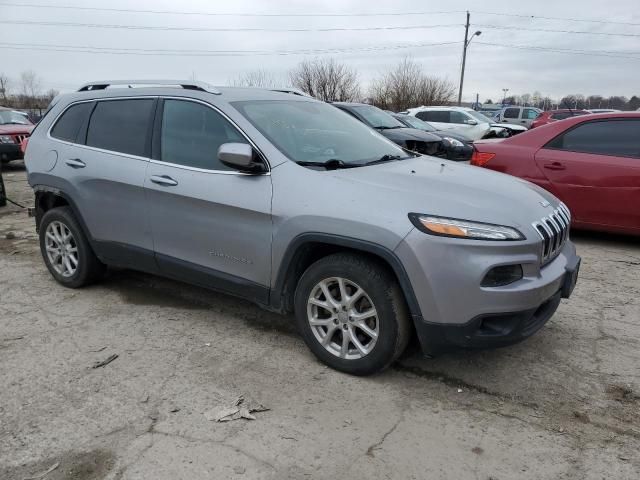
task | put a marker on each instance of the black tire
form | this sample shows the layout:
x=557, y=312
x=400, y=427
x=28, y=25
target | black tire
x=381, y=287
x=89, y=268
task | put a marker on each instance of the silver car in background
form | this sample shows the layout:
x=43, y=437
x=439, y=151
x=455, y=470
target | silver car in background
x=298, y=207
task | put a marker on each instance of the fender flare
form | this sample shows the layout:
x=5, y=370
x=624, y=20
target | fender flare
x=387, y=255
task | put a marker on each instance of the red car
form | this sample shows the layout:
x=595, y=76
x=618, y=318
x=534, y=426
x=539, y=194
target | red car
x=590, y=162
x=555, y=115
x=14, y=128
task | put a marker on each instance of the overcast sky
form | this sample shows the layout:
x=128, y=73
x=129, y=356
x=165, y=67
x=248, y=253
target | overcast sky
x=490, y=68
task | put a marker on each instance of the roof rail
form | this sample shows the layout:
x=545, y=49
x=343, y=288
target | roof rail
x=186, y=84
x=293, y=91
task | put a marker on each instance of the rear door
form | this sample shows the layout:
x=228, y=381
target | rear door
x=104, y=160
x=511, y=115
x=595, y=169
x=211, y=224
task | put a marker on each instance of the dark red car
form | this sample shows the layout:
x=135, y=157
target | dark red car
x=14, y=128
x=551, y=116
x=590, y=162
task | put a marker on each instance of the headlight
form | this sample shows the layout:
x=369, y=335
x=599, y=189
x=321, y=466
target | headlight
x=454, y=227
x=453, y=142
x=6, y=139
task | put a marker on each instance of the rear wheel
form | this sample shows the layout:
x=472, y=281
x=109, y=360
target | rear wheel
x=66, y=250
x=352, y=314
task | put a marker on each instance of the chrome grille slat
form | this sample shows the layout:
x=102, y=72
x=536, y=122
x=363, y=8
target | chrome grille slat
x=554, y=231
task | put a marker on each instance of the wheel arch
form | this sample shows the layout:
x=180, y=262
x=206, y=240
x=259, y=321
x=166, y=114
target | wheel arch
x=307, y=248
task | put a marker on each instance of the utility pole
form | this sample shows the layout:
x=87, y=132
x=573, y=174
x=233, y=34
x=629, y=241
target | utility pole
x=467, y=41
x=464, y=57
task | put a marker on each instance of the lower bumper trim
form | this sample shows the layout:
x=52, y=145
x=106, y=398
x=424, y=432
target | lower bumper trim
x=486, y=331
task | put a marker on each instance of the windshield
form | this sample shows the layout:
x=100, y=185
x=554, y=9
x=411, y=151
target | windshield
x=377, y=118
x=414, y=122
x=8, y=117
x=480, y=117
x=308, y=131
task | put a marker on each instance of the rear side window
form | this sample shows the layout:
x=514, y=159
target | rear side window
x=192, y=133
x=511, y=113
x=560, y=116
x=619, y=138
x=441, y=116
x=121, y=126
x=69, y=124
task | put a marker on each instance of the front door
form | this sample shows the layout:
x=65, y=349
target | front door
x=211, y=225
x=595, y=169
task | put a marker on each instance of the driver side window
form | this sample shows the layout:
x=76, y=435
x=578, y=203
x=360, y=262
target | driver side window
x=191, y=134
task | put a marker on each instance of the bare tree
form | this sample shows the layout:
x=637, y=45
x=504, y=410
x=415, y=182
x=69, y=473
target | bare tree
x=327, y=80
x=408, y=86
x=4, y=88
x=29, y=89
x=256, y=78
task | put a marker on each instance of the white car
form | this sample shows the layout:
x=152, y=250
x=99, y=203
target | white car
x=465, y=120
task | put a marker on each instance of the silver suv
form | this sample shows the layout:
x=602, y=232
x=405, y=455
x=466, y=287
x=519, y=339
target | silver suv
x=299, y=207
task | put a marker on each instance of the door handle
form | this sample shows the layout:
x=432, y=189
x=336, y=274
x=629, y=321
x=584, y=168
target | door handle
x=554, y=166
x=164, y=180
x=75, y=163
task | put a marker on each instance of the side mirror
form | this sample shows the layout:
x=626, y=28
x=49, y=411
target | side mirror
x=471, y=121
x=239, y=156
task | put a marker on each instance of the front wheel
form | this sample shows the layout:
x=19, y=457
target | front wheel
x=352, y=314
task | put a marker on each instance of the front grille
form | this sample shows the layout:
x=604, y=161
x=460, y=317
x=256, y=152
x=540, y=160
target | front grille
x=21, y=137
x=554, y=231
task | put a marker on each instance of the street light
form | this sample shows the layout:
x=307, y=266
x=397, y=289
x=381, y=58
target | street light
x=504, y=96
x=467, y=41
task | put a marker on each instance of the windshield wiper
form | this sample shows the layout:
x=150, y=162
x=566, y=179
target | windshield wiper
x=384, y=127
x=384, y=159
x=333, y=164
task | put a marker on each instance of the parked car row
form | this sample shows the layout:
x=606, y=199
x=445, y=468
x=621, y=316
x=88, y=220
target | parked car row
x=590, y=161
x=300, y=207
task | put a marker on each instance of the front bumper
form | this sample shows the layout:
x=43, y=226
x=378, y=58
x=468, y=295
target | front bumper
x=456, y=312
x=10, y=151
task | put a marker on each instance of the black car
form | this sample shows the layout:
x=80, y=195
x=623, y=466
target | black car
x=409, y=138
x=458, y=146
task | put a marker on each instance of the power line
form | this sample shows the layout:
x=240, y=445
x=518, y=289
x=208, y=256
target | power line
x=215, y=14
x=524, y=29
x=222, y=29
x=595, y=53
x=564, y=19
x=314, y=14
x=206, y=53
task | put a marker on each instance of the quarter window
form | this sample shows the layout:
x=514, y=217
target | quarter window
x=121, y=126
x=511, y=113
x=192, y=133
x=619, y=138
x=69, y=124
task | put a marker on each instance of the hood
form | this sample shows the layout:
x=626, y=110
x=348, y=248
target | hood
x=449, y=189
x=404, y=134
x=510, y=126
x=15, y=129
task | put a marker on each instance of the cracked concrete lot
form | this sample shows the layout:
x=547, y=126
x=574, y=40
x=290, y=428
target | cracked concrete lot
x=563, y=405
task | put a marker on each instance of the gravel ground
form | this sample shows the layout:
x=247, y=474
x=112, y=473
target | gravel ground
x=563, y=405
